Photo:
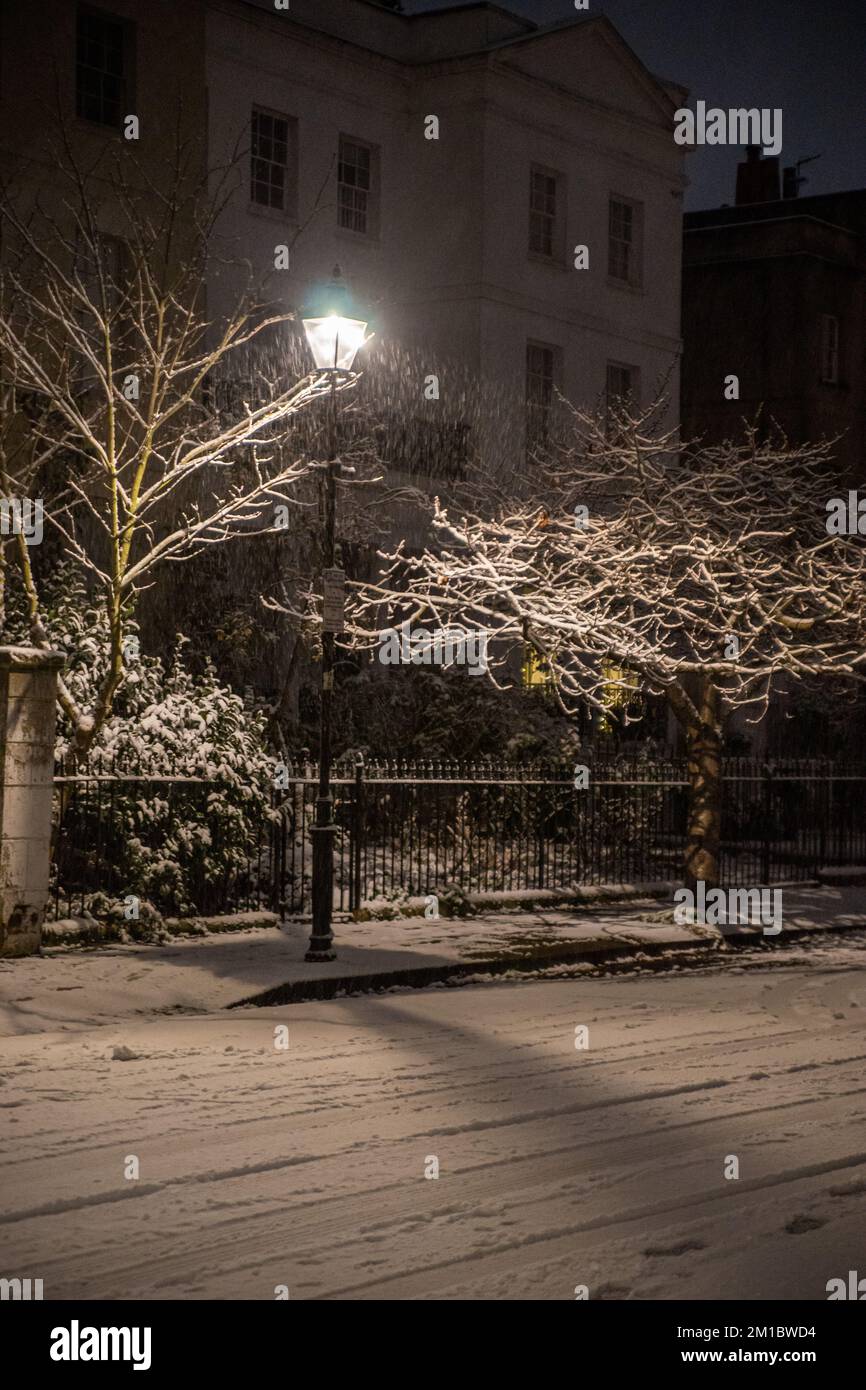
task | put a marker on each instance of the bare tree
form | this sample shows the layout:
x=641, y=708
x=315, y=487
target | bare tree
x=150, y=428
x=704, y=573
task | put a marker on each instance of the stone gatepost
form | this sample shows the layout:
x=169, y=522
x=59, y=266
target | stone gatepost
x=28, y=704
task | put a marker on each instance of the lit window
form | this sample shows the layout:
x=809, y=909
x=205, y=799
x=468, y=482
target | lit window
x=620, y=693
x=536, y=670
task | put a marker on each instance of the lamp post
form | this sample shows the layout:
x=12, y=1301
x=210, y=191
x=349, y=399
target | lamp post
x=334, y=339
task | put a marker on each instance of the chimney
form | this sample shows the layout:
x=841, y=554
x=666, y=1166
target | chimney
x=791, y=180
x=757, y=178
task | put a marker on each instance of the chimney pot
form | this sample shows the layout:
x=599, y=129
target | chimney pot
x=757, y=178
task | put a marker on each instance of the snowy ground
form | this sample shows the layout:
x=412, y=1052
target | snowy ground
x=73, y=988
x=305, y=1167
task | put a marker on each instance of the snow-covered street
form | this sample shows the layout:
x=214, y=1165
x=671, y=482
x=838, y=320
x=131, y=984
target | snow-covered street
x=304, y=1166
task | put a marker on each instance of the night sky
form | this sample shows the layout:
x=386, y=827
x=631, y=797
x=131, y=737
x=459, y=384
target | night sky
x=806, y=56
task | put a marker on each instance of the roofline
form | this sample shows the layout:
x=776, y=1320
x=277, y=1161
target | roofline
x=432, y=14
x=251, y=7
x=790, y=209
x=532, y=32
x=464, y=5
x=539, y=31
x=611, y=32
x=763, y=222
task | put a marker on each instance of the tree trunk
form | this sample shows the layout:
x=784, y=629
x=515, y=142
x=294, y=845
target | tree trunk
x=705, y=790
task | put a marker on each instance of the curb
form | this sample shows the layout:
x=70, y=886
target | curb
x=326, y=987
x=596, y=952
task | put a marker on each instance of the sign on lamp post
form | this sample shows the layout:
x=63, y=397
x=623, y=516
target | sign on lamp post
x=333, y=600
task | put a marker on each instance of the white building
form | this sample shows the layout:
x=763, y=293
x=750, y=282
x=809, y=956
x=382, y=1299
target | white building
x=549, y=139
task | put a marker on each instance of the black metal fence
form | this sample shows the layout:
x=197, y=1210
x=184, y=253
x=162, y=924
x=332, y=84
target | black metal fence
x=176, y=842
x=414, y=829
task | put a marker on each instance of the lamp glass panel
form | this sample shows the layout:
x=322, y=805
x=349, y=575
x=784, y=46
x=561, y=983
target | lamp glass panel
x=334, y=341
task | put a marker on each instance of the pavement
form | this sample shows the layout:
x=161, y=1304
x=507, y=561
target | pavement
x=695, y=1132
x=69, y=988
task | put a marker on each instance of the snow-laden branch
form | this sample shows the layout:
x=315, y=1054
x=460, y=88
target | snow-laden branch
x=675, y=562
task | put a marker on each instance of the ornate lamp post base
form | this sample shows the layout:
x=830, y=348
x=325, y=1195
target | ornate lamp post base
x=318, y=956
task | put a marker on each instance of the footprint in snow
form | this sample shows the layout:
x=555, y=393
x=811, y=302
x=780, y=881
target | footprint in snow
x=800, y=1224
x=682, y=1248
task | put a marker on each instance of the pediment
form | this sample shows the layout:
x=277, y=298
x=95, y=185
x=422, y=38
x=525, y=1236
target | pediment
x=593, y=61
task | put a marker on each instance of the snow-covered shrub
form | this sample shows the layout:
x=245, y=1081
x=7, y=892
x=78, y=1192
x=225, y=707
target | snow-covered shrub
x=454, y=901
x=178, y=846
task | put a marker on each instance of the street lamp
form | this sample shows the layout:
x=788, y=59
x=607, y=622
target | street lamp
x=334, y=339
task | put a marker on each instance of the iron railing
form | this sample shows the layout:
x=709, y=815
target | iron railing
x=164, y=839
x=420, y=828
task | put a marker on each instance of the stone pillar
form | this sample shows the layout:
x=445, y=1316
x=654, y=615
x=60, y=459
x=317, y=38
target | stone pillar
x=28, y=705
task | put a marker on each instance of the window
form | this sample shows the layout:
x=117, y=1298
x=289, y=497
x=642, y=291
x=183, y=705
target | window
x=536, y=673
x=829, y=348
x=625, y=226
x=356, y=187
x=543, y=188
x=102, y=68
x=430, y=449
x=622, y=394
x=272, y=160
x=542, y=371
x=621, y=696
x=622, y=384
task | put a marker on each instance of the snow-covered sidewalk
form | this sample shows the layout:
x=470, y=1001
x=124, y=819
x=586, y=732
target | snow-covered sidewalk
x=76, y=988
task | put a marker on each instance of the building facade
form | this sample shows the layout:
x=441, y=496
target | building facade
x=72, y=74
x=504, y=198
x=774, y=292
x=460, y=166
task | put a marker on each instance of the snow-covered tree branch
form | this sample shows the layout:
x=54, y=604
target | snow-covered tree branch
x=706, y=573
x=149, y=428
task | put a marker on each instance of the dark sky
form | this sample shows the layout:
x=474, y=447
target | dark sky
x=806, y=56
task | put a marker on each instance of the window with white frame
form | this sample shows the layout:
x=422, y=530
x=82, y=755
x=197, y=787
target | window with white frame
x=543, y=370
x=356, y=186
x=272, y=160
x=625, y=239
x=103, y=66
x=544, y=212
x=622, y=390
